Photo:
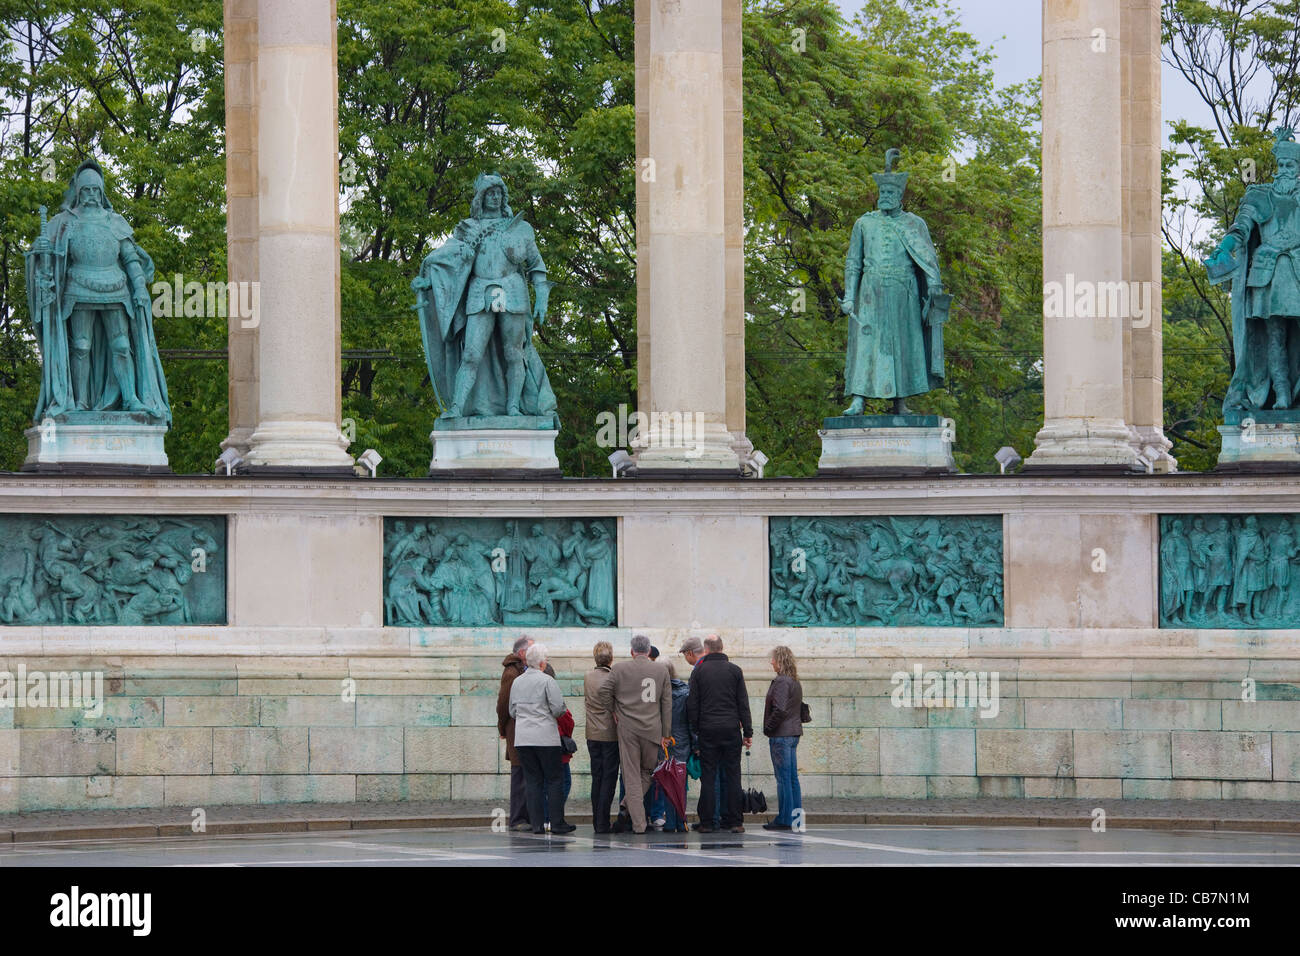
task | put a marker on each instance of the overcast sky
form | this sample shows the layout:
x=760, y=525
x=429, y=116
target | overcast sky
x=1014, y=28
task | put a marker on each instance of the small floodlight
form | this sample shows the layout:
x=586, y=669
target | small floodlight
x=754, y=464
x=621, y=462
x=1007, y=457
x=371, y=459
x=229, y=461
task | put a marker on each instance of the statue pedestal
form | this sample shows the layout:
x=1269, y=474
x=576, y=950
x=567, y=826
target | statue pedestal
x=103, y=443
x=494, y=447
x=864, y=445
x=1260, y=441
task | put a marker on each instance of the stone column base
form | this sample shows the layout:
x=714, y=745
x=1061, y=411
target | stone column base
x=865, y=445
x=1152, y=437
x=97, y=443
x=494, y=453
x=1084, y=444
x=298, y=447
x=685, y=447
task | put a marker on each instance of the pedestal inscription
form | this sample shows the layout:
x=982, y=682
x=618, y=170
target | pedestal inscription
x=864, y=445
x=915, y=571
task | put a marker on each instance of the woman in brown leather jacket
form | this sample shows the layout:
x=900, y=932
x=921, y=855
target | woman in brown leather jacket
x=783, y=726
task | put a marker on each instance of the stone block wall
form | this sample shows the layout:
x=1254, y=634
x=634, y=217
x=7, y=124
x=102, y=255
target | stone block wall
x=189, y=732
x=1095, y=698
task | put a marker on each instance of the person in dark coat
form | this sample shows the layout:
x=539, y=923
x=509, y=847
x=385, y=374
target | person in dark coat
x=511, y=668
x=783, y=726
x=717, y=709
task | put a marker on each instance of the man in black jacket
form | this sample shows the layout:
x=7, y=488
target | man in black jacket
x=718, y=712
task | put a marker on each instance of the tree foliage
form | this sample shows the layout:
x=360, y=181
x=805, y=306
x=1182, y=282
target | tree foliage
x=819, y=116
x=541, y=91
x=1242, y=57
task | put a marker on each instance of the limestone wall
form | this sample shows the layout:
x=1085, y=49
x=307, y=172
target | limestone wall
x=209, y=731
x=1094, y=699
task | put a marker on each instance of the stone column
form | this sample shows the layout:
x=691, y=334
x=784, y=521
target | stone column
x=241, y=214
x=1144, y=361
x=682, y=238
x=299, y=398
x=733, y=157
x=1083, y=341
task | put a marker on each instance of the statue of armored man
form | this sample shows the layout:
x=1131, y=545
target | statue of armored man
x=498, y=410
x=103, y=397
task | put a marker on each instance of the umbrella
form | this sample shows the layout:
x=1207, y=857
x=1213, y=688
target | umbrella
x=671, y=777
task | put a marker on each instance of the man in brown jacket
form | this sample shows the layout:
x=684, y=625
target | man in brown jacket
x=640, y=696
x=512, y=667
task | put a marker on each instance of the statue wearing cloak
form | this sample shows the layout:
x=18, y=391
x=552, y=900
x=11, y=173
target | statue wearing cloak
x=895, y=302
x=88, y=294
x=472, y=299
x=1260, y=257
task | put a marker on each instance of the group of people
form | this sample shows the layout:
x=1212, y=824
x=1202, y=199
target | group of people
x=637, y=713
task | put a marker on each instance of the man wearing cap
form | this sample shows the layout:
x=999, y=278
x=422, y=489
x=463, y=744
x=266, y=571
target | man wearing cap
x=693, y=650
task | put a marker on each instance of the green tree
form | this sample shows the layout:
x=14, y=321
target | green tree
x=823, y=101
x=1242, y=58
x=140, y=89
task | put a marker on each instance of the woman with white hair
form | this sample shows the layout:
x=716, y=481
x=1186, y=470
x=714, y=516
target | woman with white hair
x=535, y=704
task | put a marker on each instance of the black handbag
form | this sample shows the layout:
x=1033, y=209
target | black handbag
x=805, y=715
x=568, y=744
x=751, y=800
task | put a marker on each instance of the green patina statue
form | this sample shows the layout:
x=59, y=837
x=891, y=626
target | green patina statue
x=912, y=571
x=484, y=572
x=88, y=293
x=477, y=325
x=895, y=302
x=120, y=569
x=1260, y=257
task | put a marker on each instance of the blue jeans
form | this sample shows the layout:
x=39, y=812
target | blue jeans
x=661, y=806
x=786, y=765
